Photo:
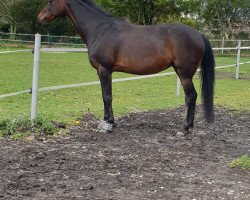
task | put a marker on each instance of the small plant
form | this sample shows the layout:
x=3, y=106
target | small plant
x=6, y=127
x=45, y=125
x=23, y=127
x=9, y=127
x=242, y=162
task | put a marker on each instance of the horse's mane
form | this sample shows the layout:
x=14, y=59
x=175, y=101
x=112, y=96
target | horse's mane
x=93, y=5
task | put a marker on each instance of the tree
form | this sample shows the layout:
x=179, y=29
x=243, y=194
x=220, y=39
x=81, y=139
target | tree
x=6, y=15
x=224, y=17
x=25, y=12
x=22, y=14
x=143, y=12
x=186, y=12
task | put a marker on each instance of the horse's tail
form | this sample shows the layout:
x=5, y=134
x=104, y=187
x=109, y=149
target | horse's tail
x=208, y=80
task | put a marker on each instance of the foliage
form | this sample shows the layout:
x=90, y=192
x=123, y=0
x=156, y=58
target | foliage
x=6, y=14
x=143, y=12
x=228, y=18
x=23, y=14
x=146, y=12
x=242, y=162
x=9, y=127
x=22, y=126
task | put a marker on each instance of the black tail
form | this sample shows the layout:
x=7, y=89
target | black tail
x=208, y=79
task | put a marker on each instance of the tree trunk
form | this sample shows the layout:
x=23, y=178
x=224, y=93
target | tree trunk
x=12, y=31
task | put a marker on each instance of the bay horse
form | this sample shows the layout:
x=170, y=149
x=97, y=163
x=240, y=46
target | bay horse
x=115, y=45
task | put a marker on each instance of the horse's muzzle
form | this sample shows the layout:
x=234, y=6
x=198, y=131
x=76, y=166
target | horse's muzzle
x=43, y=17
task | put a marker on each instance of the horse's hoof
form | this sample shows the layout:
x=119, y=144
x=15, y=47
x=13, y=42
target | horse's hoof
x=188, y=130
x=180, y=134
x=105, y=127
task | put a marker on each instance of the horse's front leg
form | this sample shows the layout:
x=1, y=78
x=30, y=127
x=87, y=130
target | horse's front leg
x=105, y=76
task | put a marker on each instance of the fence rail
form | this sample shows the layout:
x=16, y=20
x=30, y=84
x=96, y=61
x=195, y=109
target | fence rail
x=76, y=41
x=64, y=49
x=46, y=40
x=38, y=42
x=16, y=51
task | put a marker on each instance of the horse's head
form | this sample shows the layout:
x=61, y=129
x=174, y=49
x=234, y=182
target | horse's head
x=53, y=9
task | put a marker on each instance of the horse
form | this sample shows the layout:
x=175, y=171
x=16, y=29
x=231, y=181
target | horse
x=116, y=45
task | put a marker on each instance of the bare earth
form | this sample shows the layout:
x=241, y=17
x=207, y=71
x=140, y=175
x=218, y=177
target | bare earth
x=142, y=159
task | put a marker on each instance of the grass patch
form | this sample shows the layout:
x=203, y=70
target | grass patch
x=23, y=127
x=242, y=162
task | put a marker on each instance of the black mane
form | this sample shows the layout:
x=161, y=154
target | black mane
x=93, y=5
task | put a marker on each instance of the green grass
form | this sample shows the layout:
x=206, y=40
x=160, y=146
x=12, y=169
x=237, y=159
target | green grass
x=68, y=104
x=4, y=47
x=242, y=162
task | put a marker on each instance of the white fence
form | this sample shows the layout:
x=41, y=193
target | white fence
x=75, y=41
x=47, y=40
x=34, y=91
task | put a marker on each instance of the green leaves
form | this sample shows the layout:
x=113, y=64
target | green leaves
x=22, y=16
x=145, y=12
x=226, y=18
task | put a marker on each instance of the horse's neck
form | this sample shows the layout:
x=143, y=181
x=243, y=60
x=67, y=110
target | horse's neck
x=88, y=21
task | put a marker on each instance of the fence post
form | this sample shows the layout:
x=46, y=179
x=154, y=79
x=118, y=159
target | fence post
x=35, y=76
x=238, y=60
x=178, y=87
x=49, y=41
x=222, y=45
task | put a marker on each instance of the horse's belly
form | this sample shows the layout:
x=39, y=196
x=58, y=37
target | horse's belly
x=143, y=65
x=141, y=68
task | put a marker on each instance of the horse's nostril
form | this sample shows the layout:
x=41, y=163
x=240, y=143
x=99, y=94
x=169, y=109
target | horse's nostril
x=41, y=19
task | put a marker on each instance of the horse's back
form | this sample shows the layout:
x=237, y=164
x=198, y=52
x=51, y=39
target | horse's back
x=177, y=38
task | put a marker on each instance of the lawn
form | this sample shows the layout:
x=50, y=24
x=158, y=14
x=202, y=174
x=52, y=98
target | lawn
x=68, y=104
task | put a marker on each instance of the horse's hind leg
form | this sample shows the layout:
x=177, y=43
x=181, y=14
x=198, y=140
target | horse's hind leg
x=190, y=98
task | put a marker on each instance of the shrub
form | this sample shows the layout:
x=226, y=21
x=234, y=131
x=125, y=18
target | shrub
x=21, y=127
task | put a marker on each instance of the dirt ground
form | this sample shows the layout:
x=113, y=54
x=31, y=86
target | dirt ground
x=142, y=159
